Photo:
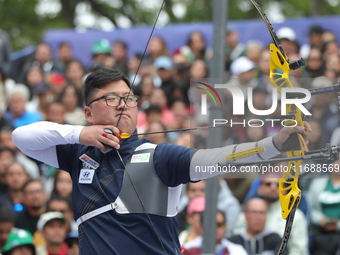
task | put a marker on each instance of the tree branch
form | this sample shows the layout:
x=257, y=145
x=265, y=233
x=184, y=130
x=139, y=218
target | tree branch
x=104, y=11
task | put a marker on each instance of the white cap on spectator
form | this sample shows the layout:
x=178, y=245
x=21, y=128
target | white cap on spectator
x=241, y=65
x=47, y=217
x=321, y=82
x=286, y=33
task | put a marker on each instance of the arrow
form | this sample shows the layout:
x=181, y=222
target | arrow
x=126, y=135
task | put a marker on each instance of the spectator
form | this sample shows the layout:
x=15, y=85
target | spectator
x=63, y=205
x=41, y=97
x=333, y=63
x=243, y=74
x=34, y=199
x=322, y=109
x=192, y=190
x=184, y=139
x=180, y=112
x=157, y=138
x=62, y=184
x=314, y=66
x=6, y=225
x=256, y=239
x=56, y=112
x=149, y=115
x=39, y=90
x=315, y=35
x=181, y=67
x=71, y=98
x=164, y=68
x=158, y=97
x=53, y=228
x=6, y=86
x=234, y=48
x=263, y=69
x=6, y=141
x=253, y=51
x=330, y=48
x=43, y=58
x=72, y=243
x=100, y=50
x=16, y=177
x=194, y=245
x=74, y=74
x=119, y=52
x=195, y=47
x=7, y=157
x=33, y=78
x=324, y=195
x=157, y=48
x=56, y=82
x=199, y=69
x=64, y=57
x=17, y=114
x=20, y=242
x=226, y=202
x=269, y=191
x=147, y=86
x=287, y=39
x=328, y=36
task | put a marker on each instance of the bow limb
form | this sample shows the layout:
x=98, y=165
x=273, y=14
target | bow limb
x=289, y=192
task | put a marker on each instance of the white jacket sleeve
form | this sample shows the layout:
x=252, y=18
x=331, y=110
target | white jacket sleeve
x=204, y=163
x=39, y=140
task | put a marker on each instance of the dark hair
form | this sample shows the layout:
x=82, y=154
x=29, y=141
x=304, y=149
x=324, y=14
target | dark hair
x=64, y=43
x=325, y=45
x=100, y=78
x=6, y=214
x=316, y=29
x=79, y=95
x=121, y=43
x=10, y=150
x=54, y=192
x=179, y=99
x=31, y=181
x=59, y=198
x=190, y=40
x=153, y=108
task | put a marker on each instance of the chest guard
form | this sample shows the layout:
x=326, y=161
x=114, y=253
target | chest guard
x=146, y=187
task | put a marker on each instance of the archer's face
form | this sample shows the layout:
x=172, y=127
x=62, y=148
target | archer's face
x=99, y=113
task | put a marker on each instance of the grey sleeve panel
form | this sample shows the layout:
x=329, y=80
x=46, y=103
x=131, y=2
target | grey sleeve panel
x=141, y=185
x=204, y=163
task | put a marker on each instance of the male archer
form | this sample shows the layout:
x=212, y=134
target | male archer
x=125, y=191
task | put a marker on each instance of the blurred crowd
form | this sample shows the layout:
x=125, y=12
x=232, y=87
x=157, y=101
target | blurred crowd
x=36, y=199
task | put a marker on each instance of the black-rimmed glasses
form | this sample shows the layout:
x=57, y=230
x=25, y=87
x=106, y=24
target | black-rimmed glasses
x=114, y=100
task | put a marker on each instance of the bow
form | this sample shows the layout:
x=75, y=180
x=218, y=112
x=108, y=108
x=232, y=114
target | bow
x=289, y=192
x=295, y=147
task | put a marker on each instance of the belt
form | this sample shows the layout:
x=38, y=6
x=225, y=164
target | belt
x=96, y=212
